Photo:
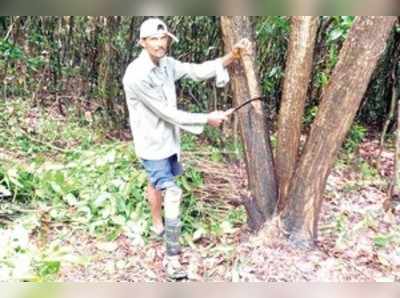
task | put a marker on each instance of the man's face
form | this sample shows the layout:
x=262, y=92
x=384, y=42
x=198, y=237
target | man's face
x=156, y=46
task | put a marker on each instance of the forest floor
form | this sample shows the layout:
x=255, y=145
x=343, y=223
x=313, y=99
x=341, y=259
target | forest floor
x=357, y=241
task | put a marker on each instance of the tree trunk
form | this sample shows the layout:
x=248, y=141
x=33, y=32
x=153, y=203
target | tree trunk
x=394, y=185
x=253, y=126
x=107, y=59
x=394, y=191
x=341, y=98
x=397, y=157
x=396, y=188
x=297, y=77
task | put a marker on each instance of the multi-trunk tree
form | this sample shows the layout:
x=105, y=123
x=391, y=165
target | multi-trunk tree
x=302, y=177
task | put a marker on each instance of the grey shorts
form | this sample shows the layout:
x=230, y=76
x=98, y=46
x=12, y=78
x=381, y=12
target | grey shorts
x=162, y=173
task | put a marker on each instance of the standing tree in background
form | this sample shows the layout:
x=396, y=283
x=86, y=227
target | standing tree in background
x=394, y=185
x=396, y=189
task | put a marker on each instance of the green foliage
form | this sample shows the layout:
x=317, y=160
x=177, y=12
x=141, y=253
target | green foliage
x=329, y=43
x=237, y=216
x=20, y=182
x=102, y=189
x=341, y=223
x=309, y=115
x=47, y=269
x=93, y=184
x=199, y=37
x=13, y=59
x=213, y=135
x=381, y=240
x=68, y=56
x=367, y=171
x=335, y=37
x=340, y=28
x=33, y=133
x=376, y=103
x=355, y=136
x=188, y=141
x=10, y=51
x=200, y=40
x=272, y=35
x=321, y=79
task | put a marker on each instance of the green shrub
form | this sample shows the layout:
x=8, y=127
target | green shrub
x=354, y=138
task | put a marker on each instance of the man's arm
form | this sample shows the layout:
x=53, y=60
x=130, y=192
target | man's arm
x=210, y=69
x=155, y=100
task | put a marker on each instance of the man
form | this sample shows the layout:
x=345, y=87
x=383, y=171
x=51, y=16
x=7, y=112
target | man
x=149, y=84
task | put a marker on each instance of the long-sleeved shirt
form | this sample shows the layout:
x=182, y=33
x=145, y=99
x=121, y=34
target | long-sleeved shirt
x=150, y=92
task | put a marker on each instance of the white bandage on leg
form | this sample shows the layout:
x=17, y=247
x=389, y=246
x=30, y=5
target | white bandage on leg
x=172, y=201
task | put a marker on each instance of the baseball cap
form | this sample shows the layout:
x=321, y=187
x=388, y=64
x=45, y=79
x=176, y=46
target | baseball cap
x=154, y=27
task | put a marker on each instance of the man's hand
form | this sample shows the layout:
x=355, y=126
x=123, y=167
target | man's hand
x=217, y=117
x=243, y=46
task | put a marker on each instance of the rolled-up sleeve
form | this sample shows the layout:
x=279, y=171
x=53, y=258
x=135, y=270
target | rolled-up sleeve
x=202, y=71
x=154, y=99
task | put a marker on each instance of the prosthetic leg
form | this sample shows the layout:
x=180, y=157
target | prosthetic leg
x=172, y=200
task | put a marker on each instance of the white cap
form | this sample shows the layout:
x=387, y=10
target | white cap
x=154, y=27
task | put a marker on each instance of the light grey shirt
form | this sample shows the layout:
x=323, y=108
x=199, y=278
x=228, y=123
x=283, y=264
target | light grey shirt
x=150, y=92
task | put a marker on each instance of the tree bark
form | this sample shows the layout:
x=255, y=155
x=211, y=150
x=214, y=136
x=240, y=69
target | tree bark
x=297, y=76
x=107, y=58
x=341, y=98
x=396, y=189
x=253, y=126
x=394, y=185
